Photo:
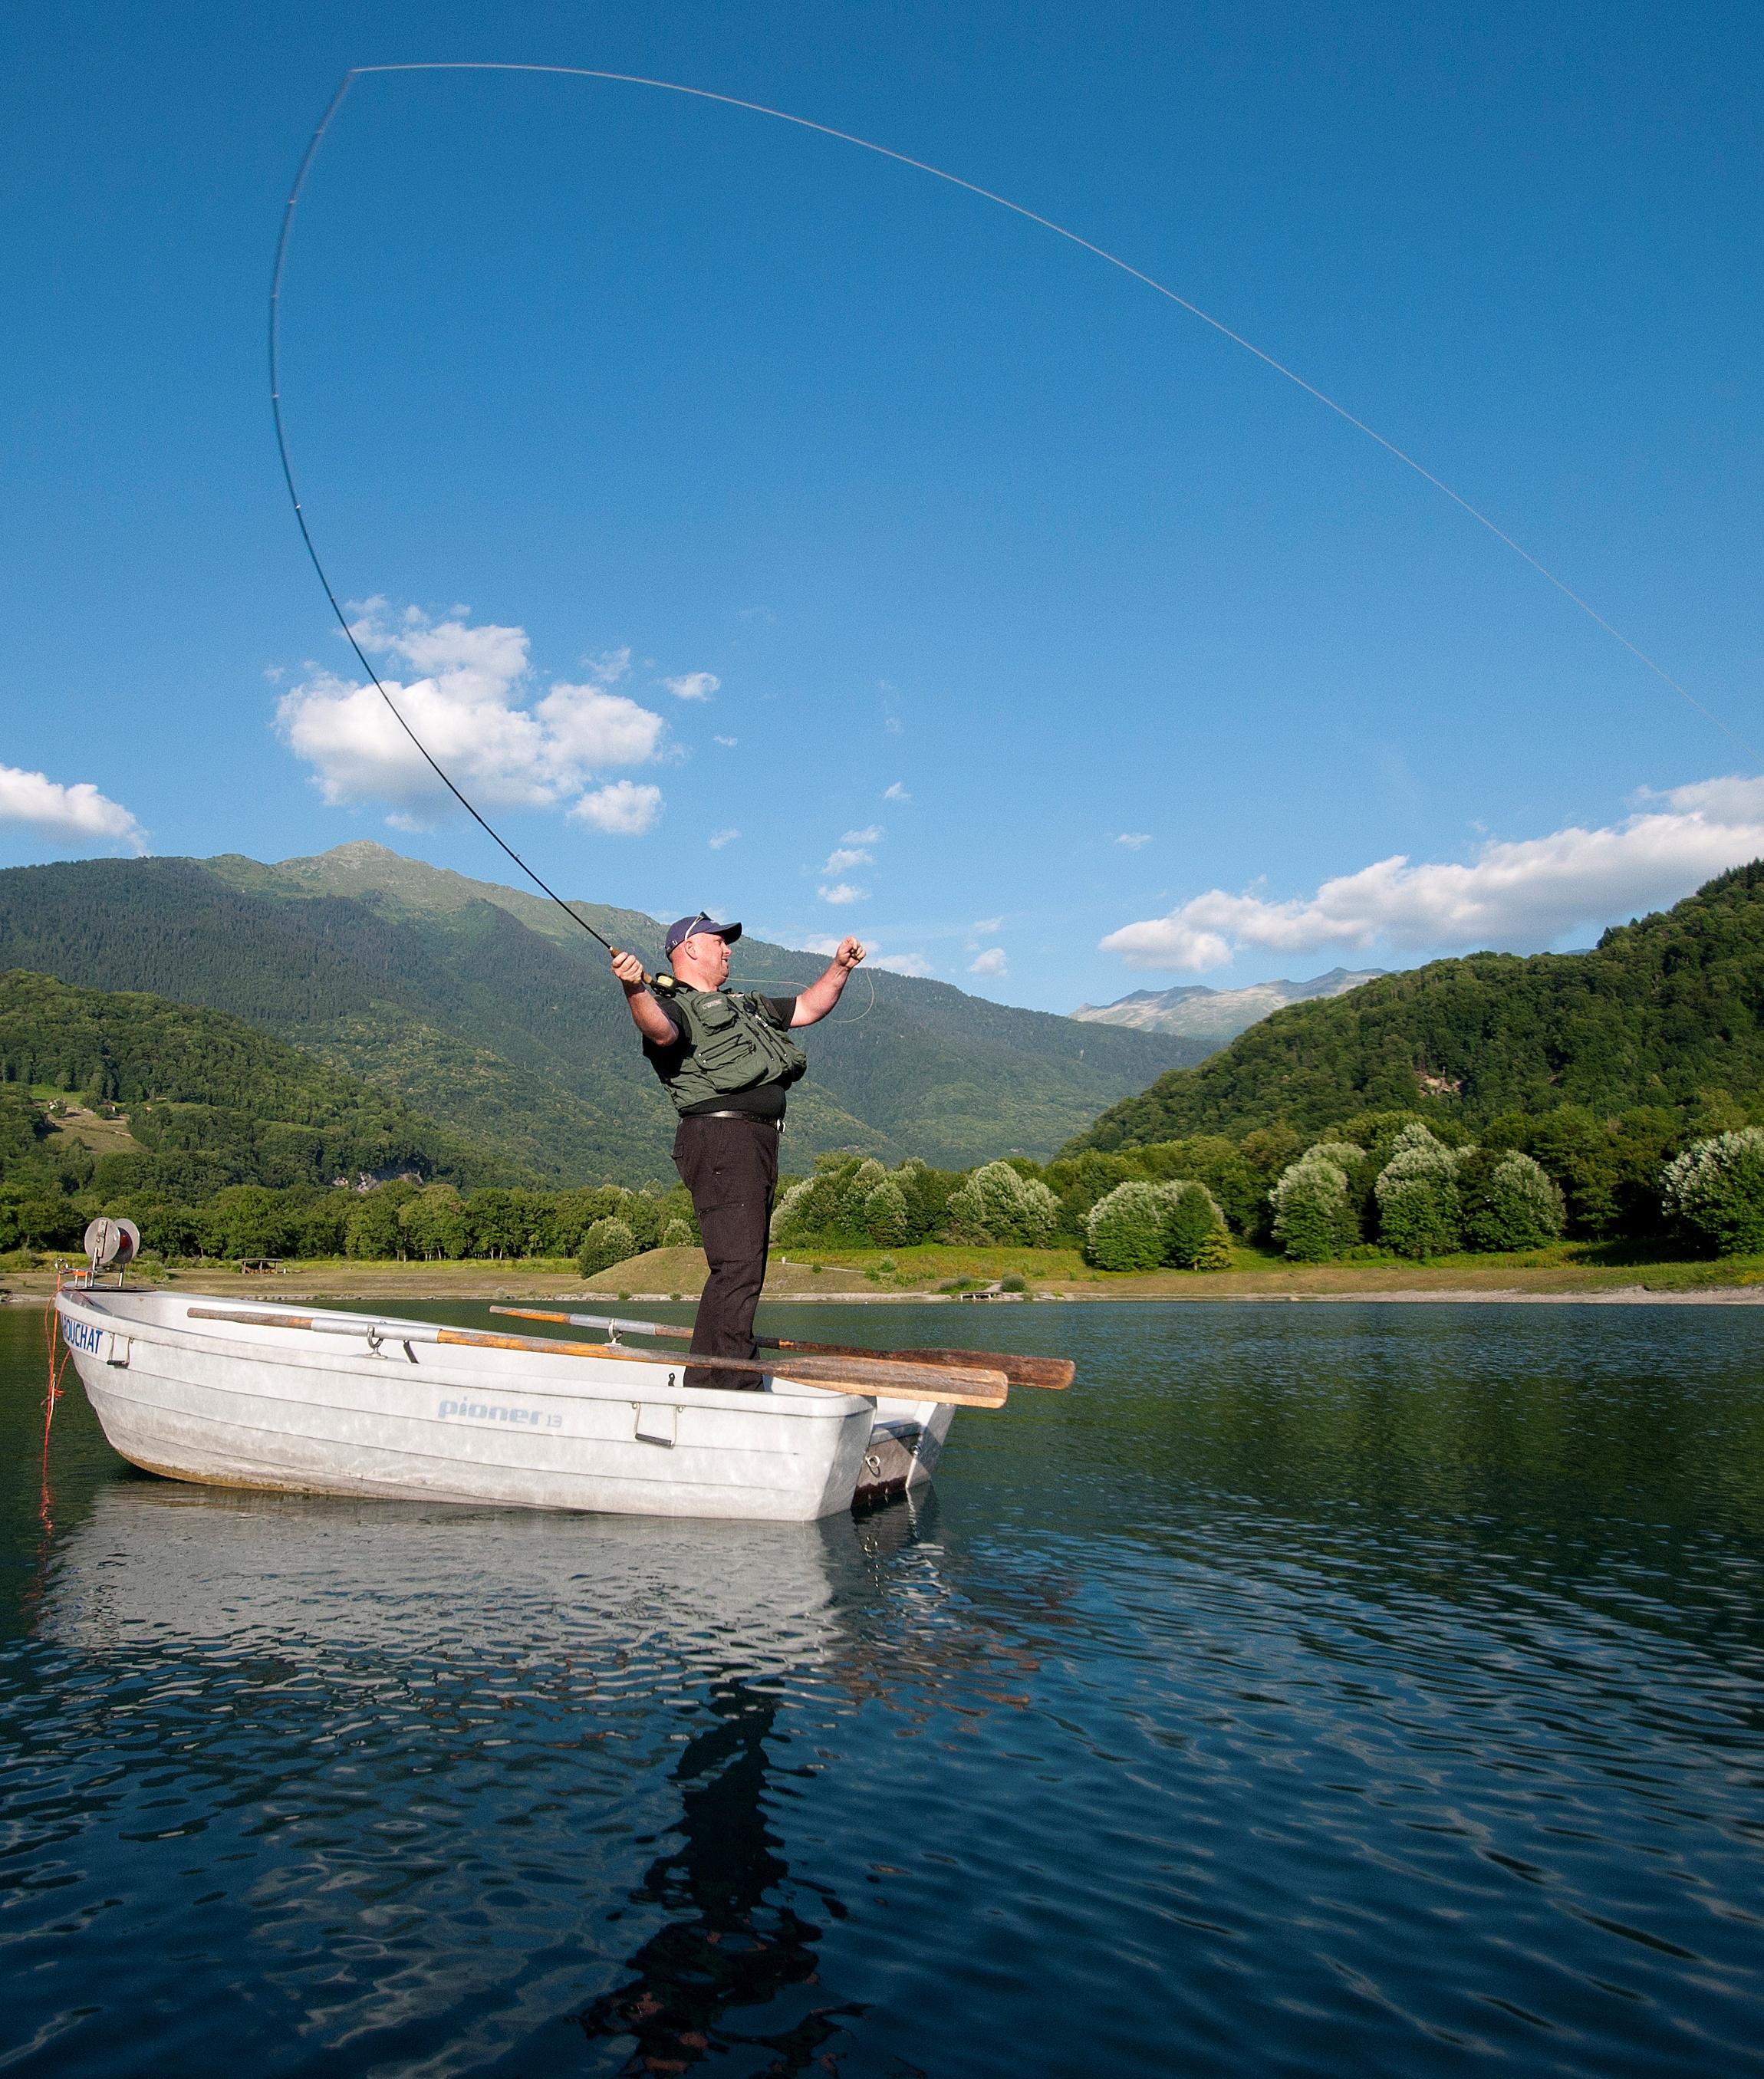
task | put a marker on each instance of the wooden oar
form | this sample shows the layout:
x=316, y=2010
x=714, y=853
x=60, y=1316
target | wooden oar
x=1056, y=1373
x=868, y=1375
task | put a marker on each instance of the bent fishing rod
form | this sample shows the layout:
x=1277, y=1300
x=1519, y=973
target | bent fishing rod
x=428, y=757
x=917, y=166
x=662, y=983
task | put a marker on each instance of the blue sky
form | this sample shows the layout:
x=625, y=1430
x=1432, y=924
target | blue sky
x=1059, y=648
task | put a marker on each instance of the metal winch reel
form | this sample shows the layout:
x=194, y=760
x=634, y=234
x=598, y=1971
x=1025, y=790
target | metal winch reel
x=110, y=1245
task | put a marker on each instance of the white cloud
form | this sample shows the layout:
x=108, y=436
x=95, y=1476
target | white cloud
x=1516, y=894
x=842, y=892
x=471, y=704
x=718, y=839
x=991, y=962
x=896, y=792
x=588, y=727
x=987, y=926
x=852, y=849
x=76, y=810
x=621, y=808
x=1133, y=839
x=728, y=742
x=693, y=686
x=607, y=669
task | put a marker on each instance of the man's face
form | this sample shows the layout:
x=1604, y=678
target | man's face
x=702, y=961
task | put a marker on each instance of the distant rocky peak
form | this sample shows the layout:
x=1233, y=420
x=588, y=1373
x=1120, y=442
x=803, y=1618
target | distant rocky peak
x=1191, y=1011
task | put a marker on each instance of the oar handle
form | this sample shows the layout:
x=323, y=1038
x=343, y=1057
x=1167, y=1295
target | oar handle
x=365, y=1324
x=612, y=1321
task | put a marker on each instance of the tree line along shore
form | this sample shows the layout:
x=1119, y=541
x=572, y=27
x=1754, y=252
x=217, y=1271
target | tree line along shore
x=1381, y=1189
x=1490, y=1108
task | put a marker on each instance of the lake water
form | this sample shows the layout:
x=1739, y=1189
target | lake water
x=1320, y=1690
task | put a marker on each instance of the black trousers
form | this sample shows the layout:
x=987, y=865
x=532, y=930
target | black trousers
x=731, y=1167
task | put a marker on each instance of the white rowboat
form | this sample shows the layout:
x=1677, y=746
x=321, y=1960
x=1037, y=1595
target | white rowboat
x=373, y=1406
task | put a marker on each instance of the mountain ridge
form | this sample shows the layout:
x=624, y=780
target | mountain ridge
x=1666, y=1011
x=485, y=1009
x=1192, y=1011
x=212, y=1099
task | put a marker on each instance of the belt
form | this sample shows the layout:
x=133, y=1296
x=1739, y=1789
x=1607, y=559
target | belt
x=778, y=1122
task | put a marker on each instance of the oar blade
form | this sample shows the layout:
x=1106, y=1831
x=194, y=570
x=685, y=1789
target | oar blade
x=1054, y=1374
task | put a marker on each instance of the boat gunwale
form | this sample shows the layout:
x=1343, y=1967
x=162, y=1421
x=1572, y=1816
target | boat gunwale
x=783, y=1396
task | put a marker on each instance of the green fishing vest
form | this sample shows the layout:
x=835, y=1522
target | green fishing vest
x=731, y=1046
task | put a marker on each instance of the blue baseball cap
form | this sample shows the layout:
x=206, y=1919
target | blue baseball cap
x=698, y=927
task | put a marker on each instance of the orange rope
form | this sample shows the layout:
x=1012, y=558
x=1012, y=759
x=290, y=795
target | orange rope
x=58, y=1356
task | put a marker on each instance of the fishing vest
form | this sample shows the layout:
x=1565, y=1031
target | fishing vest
x=731, y=1046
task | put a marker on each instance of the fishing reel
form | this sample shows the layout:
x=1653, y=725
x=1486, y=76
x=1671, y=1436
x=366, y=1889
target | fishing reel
x=662, y=984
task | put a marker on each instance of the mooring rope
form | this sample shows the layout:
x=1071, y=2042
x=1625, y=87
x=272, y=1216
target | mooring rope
x=59, y=1354
x=917, y=165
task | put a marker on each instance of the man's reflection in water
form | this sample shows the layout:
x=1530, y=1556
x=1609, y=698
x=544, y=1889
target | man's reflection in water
x=733, y=1942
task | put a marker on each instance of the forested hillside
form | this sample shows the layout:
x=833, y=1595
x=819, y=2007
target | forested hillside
x=209, y=1102
x=486, y=1009
x=1663, y=1012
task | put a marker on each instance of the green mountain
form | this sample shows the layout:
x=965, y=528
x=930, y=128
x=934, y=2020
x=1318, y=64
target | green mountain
x=487, y=1010
x=209, y=1101
x=1661, y=1011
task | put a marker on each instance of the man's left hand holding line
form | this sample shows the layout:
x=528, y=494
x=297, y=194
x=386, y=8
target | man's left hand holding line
x=814, y=1002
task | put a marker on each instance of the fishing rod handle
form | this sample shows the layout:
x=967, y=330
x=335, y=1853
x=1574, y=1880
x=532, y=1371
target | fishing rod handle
x=661, y=984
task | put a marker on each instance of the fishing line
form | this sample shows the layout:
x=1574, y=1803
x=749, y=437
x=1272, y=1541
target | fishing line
x=859, y=1017
x=917, y=165
x=299, y=514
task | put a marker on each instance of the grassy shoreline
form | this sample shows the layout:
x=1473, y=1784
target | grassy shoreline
x=1567, y=1272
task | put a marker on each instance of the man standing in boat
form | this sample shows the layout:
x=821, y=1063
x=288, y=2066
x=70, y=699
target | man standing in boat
x=726, y=1060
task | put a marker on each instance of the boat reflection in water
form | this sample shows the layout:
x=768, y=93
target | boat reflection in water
x=505, y=1695
x=311, y=1577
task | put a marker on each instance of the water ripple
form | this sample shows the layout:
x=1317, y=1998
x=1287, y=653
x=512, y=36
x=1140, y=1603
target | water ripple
x=1332, y=1692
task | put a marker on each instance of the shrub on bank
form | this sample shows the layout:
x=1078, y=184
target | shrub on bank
x=1314, y=1214
x=1195, y=1234
x=1420, y=1209
x=434, y=1224
x=999, y=1206
x=1125, y=1230
x=607, y=1242
x=1144, y=1227
x=1716, y=1190
x=1509, y=1203
x=886, y=1216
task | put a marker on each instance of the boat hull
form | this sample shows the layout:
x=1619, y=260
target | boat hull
x=906, y=1440
x=283, y=1409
